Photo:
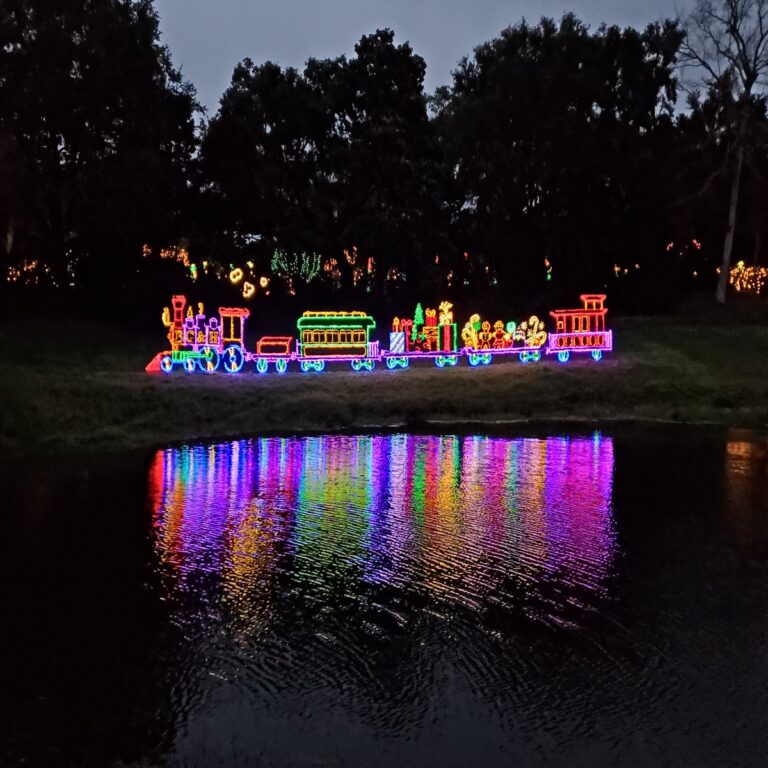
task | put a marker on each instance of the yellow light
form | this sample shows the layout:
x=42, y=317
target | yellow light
x=235, y=276
x=748, y=279
x=264, y=282
x=248, y=290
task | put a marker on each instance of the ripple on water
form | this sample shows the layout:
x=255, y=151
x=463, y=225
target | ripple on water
x=372, y=574
x=358, y=553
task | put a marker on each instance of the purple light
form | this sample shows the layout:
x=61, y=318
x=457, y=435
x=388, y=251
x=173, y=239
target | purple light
x=454, y=517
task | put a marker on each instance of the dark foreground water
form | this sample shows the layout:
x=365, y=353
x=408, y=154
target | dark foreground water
x=397, y=600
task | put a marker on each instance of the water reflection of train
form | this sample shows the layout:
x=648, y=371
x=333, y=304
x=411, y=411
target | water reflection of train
x=209, y=344
x=405, y=511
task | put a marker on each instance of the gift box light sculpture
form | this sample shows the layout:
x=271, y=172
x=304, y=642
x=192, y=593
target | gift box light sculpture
x=210, y=344
x=429, y=335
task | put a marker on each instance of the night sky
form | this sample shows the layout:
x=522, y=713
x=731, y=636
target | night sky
x=208, y=37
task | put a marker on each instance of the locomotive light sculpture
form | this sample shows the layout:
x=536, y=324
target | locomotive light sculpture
x=218, y=342
x=198, y=342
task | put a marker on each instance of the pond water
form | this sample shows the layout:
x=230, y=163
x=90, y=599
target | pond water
x=584, y=599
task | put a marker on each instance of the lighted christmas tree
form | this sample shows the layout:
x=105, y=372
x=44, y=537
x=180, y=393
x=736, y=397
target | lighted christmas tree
x=418, y=321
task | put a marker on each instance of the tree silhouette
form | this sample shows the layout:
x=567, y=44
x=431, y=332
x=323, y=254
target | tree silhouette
x=96, y=133
x=727, y=42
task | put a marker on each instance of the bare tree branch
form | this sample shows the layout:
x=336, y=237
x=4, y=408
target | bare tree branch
x=727, y=43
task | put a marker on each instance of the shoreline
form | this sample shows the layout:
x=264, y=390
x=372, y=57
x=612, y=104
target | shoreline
x=519, y=427
x=83, y=389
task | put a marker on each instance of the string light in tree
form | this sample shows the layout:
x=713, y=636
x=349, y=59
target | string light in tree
x=303, y=265
x=748, y=279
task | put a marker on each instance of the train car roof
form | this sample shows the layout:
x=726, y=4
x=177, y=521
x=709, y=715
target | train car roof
x=579, y=311
x=335, y=320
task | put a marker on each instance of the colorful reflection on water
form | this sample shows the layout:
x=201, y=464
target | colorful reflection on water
x=467, y=522
x=390, y=600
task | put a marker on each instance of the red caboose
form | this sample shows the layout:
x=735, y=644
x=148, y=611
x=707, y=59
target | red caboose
x=581, y=330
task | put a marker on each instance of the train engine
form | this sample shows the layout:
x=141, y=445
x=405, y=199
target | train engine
x=200, y=342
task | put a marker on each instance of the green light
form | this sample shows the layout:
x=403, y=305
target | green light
x=303, y=265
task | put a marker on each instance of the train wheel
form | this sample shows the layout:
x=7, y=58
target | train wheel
x=356, y=365
x=369, y=365
x=210, y=360
x=319, y=365
x=404, y=362
x=166, y=363
x=453, y=360
x=523, y=357
x=563, y=355
x=597, y=355
x=474, y=359
x=306, y=366
x=189, y=365
x=281, y=366
x=262, y=365
x=440, y=361
x=393, y=362
x=487, y=357
x=535, y=356
x=233, y=359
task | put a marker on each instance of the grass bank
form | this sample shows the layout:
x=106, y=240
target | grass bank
x=81, y=387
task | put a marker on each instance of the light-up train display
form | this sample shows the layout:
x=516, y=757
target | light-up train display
x=218, y=343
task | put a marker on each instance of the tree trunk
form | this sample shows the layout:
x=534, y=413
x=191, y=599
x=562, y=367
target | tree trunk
x=9, y=236
x=758, y=244
x=725, y=266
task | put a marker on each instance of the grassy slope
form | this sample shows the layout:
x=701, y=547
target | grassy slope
x=76, y=387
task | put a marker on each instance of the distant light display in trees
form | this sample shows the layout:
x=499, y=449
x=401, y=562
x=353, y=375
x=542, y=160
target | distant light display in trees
x=748, y=279
x=294, y=265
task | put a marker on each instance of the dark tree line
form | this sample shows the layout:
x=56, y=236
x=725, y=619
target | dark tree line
x=558, y=157
x=96, y=136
